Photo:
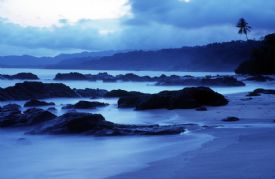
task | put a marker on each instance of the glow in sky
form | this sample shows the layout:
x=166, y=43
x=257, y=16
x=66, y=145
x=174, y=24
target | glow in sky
x=49, y=12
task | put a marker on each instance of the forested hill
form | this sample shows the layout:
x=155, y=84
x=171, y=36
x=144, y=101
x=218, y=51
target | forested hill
x=213, y=57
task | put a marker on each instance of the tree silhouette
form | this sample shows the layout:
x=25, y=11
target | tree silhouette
x=243, y=26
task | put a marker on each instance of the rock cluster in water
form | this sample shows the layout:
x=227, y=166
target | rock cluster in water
x=182, y=99
x=39, y=90
x=20, y=76
x=44, y=122
x=173, y=80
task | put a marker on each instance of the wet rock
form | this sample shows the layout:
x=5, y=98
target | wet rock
x=231, y=119
x=91, y=93
x=182, y=99
x=259, y=78
x=36, y=116
x=35, y=102
x=200, y=81
x=11, y=116
x=95, y=124
x=20, y=76
x=260, y=91
x=37, y=90
x=70, y=76
x=121, y=93
x=85, y=105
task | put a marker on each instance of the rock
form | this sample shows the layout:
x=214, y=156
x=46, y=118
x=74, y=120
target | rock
x=199, y=81
x=260, y=91
x=121, y=93
x=202, y=108
x=20, y=76
x=91, y=93
x=35, y=102
x=262, y=60
x=183, y=99
x=95, y=124
x=85, y=105
x=70, y=76
x=36, y=116
x=11, y=116
x=231, y=119
x=37, y=90
x=259, y=78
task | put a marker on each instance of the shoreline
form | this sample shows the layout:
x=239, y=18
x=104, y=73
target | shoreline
x=246, y=151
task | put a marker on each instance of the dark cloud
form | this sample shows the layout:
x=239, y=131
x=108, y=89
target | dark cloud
x=155, y=24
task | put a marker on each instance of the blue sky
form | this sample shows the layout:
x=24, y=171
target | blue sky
x=48, y=27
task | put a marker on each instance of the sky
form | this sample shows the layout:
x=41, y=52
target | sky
x=50, y=27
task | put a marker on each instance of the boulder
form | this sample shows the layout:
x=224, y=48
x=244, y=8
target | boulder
x=262, y=60
x=260, y=91
x=11, y=116
x=186, y=98
x=85, y=105
x=35, y=102
x=121, y=93
x=95, y=124
x=259, y=78
x=91, y=93
x=200, y=81
x=231, y=119
x=20, y=76
x=70, y=76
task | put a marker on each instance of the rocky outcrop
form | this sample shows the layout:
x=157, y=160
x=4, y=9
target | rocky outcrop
x=259, y=91
x=11, y=116
x=95, y=124
x=259, y=78
x=173, y=80
x=20, y=76
x=39, y=90
x=36, y=103
x=71, y=76
x=85, y=105
x=182, y=99
x=231, y=119
x=91, y=93
x=200, y=81
x=261, y=60
x=121, y=93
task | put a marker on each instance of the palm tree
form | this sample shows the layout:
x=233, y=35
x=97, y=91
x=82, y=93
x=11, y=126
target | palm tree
x=243, y=26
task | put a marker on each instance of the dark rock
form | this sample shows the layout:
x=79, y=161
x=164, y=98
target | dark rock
x=37, y=90
x=35, y=102
x=11, y=116
x=95, y=124
x=259, y=78
x=231, y=119
x=85, y=105
x=260, y=91
x=121, y=93
x=20, y=76
x=91, y=93
x=70, y=76
x=202, y=108
x=36, y=116
x=183, y=99
x=200, y=81
x=261, y=60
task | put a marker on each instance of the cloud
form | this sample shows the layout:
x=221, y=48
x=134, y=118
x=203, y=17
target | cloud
x=153, y=24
